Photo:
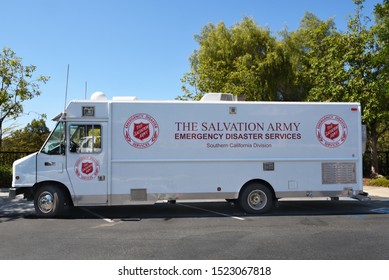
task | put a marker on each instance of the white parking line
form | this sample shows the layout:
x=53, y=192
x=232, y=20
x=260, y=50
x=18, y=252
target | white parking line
x=383, y=210
x=97, y=215
x=214, y=212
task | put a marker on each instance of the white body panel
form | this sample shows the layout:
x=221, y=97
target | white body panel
x=195, y=150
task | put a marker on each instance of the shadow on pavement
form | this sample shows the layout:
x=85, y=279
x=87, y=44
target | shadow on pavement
x=20, y=208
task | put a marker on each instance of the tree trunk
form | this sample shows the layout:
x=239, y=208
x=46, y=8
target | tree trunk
x=373, y=152
x=1, y=134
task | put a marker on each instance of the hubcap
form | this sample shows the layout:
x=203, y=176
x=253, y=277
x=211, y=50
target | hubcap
x=257, y=199
x=46, y=202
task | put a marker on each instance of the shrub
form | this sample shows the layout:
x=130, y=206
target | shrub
x=382, y=182
x=5, y=176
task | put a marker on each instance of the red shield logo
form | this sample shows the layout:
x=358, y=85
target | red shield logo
x=87, y=167
x=141, y=130
x=332, y=131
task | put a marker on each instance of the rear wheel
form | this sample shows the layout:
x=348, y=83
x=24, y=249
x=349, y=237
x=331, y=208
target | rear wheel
x=50, y=201
x=256, y=198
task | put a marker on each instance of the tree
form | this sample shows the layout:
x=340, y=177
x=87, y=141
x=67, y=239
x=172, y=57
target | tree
x=191, y=80
x=344, y=68
x=17, y=85
x=381, y=31
x=381, y=60
x=305, y=47
x=315, y=63
x=244, y=60
x=30, y=138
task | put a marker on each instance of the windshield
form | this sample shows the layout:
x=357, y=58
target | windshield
x=55, y=145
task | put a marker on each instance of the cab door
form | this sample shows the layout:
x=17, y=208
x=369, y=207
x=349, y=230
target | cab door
x=51, y=158
x=87, y=162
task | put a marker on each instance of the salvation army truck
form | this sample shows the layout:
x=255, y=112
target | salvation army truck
x=124, y=151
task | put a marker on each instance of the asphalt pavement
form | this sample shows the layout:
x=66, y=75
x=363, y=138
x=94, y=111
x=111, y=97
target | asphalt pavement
x=307, y=229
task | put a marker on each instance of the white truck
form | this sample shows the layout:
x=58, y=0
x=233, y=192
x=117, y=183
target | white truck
x=124, y=151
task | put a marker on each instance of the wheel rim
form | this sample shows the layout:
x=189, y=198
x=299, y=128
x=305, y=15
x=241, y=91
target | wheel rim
x=257, y=199
x=46, y=202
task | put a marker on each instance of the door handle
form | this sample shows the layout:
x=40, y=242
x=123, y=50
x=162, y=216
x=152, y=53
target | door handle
x=49, y=163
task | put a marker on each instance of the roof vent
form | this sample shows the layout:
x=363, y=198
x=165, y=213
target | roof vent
x=98, y=96
x=124, y=98
x=213, y=97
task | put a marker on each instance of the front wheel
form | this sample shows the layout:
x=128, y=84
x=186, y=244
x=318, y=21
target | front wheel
x=49, y=201
x=256, y=198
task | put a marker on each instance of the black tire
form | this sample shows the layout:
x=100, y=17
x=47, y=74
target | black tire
x=50, y=201
x=256, y=198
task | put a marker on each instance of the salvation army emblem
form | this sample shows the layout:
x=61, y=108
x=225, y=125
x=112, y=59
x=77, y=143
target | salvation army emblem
x=331, y=131
x=87, y=168
x=141, y=131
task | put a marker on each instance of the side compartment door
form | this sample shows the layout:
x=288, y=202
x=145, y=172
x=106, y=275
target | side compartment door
x=87, y=162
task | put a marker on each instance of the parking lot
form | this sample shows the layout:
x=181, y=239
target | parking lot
x=308, y=229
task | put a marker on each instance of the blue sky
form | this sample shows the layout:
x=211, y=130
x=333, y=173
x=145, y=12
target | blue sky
x=132, y=47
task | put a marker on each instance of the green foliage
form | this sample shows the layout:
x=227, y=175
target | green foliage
x=244, y=59
x=5, y=176
x=344, y=69
x=350, y=67
x=30, y=138
x=381, y=57
x=17, y=85
x=314, y=63
x=381, y=31
x=381, y=182
x=305, y=49
x=347, y=67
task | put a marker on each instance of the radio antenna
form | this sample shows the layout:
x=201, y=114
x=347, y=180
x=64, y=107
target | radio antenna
x=86, y=88
x=66, y=92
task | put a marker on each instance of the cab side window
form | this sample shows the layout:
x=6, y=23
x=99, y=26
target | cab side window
x=85, y=138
